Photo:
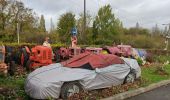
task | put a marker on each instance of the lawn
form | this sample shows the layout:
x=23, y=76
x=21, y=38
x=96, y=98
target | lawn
x=151, y=74
x=13, y=87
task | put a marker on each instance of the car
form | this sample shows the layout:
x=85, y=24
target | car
x=87, y=71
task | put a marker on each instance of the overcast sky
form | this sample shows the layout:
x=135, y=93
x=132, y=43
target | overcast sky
x=146, y=12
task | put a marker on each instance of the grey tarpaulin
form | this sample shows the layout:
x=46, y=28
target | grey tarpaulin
x=46, y=82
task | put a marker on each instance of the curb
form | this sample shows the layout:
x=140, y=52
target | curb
x=132, y=93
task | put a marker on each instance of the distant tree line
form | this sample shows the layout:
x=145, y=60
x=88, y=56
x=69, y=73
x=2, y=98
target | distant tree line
x=103, y=29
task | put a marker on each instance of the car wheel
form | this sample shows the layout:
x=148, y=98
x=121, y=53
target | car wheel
x=12, y=68
x=28, y=65
x=24, y=57
x=68, y=89
x=130, y=78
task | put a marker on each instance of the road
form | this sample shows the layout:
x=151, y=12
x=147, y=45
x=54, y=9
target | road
x=161, y=93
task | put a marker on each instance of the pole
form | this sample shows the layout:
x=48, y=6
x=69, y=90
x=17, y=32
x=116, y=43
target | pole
x=84, y=16
x=18, y=32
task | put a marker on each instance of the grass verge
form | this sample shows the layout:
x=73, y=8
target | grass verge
x=152, y=74
x=12, y=88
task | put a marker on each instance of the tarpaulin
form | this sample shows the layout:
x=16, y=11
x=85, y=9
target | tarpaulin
x=113, y=50
x=93, y=60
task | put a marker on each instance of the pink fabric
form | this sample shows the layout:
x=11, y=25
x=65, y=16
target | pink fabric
x=95, y=60
x=113, y=50
x=126, y=49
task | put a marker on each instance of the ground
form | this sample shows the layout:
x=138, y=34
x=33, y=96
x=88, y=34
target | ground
x=161, y=93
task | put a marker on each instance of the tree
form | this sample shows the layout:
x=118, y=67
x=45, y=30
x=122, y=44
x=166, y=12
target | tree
x=13, y=12
x=66, y=22
x=156, y=30
x=42, y=24
x=83, y=36
x=137, y=25
x=94, y=31
x=5, y=13
x=25, y=17
x=51, y=26
x=137, y=31
x=105, y=24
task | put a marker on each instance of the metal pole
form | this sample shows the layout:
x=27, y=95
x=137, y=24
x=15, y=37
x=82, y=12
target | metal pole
x=84, y=16
x=18, y=32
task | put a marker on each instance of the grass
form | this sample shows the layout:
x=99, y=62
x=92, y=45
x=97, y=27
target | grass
x=12, y=82
x=13, y=88
x=149, y=74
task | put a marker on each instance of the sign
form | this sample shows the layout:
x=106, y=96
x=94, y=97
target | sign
x=74, y=31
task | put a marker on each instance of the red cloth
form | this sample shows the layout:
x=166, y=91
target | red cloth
x=95, y=60
x=113, y=50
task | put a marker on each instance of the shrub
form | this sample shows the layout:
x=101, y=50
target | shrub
x=139, y=60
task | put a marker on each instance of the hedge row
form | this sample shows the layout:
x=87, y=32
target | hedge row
x=16, y=45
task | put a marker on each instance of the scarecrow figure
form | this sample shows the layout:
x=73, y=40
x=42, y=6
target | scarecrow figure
x=74, y=37
x=46, y=42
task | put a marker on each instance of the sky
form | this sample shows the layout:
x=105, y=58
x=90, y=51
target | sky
x=147, y=13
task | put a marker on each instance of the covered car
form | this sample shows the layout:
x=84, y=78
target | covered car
x=56, y=80
x=126, y=50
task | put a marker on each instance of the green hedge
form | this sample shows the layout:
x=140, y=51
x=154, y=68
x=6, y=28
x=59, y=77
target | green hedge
x=31, y=44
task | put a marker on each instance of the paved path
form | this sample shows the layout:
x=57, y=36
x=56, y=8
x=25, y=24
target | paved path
x=161, y=93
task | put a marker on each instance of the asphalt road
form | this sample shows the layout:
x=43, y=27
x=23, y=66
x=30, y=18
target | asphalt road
x=161, y=93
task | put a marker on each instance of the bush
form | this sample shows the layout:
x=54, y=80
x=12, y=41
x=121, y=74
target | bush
x=162, y=59
x=139, y=60
x=142, y=41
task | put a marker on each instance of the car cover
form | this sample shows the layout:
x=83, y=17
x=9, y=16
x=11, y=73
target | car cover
x=46, y=82
x=112, y=50
x=126, y=50
x=92, y=60
x=142, y=53
x=139, y=53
